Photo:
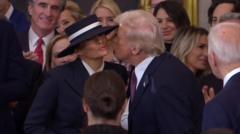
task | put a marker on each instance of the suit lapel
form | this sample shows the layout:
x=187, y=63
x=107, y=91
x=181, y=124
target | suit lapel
x=145, y=82
x=76, y=76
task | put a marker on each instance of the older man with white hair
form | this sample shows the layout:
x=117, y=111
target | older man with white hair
x=224, y=58
x=164, y=96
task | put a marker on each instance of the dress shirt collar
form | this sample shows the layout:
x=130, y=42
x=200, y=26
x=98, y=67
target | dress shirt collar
x=33, y=37
x=141, y=68
x=230, y=74
x=90, y=70
x=9, y=12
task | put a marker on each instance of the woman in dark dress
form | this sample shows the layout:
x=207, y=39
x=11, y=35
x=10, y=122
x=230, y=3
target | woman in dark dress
x=57, y=107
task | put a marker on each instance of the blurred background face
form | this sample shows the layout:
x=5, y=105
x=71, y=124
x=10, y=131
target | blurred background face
x=197, y=59
x=220, y=10
x=65, y=20
x=59, y=46
x=94, y=48
x=167, y=25
x=44, y=14
x=105, y=16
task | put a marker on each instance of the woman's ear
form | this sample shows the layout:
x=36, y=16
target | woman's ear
x=85, y=106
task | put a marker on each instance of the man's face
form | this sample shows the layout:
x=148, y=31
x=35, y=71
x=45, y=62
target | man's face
x=213, y=64
x=220, y=10
x=44, y=14
x=122, y=49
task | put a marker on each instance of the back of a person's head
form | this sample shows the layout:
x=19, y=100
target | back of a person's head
x=105, y=94
x=224, y=41
x=175, y=11
x=218, y=131
x=215, y=3
x=2, y=17
x=186, y=39
x=111, y=5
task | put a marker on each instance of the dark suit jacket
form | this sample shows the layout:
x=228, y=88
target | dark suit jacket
x=168, y=100
x=34, y=78
x=57, y=107
x=19, y=20
x=12, y=83
x=24, y=40
x=224, y=110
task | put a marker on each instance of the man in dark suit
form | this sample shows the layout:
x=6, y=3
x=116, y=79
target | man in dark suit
x=16, y=17
x=166, y=98
x=12, y=83
x=43, y=16
x=43, y=23
x=224, y=48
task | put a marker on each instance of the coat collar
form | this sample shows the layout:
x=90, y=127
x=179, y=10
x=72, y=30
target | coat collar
x=76, y=75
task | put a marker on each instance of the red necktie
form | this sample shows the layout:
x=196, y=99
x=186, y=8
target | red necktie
x=133, y=85
x=39, y=50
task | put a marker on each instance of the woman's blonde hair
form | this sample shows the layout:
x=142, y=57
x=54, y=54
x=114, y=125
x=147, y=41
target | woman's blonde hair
x=49, y=50
x=109, y=4
x=75, y=10
x=186, y=39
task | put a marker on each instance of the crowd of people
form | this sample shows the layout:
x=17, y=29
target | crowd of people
x=113, y=72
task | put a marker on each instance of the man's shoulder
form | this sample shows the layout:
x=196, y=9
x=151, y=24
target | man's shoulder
x=168, y=62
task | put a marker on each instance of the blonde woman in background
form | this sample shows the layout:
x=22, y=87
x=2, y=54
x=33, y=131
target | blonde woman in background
x=106, y=11
x=68, y=16
x=56, y=45
x=191, y=47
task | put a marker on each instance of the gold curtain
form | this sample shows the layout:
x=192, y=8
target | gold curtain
x=145, y=5
x=191, y=7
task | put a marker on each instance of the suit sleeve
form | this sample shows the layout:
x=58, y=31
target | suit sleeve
x=43, y=107
x=175, y=108
x=214, y=116
x=13, y=84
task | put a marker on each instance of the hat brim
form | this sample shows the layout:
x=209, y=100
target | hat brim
x=86, y=36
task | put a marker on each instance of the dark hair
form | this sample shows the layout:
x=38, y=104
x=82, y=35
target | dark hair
x=2, y=17
x=104, y=93
x=215, y=3
x=175, y=11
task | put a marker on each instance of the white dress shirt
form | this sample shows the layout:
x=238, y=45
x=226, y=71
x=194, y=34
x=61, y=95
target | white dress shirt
x=9, y=12
x=230, y=74
x=33, y=38
x=139, y=71
x=90, y=70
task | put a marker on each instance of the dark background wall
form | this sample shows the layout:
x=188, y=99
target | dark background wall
x=85, y=5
